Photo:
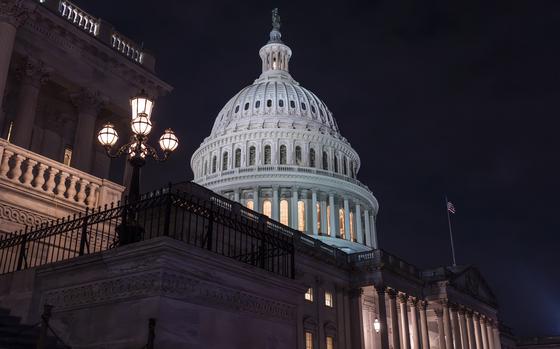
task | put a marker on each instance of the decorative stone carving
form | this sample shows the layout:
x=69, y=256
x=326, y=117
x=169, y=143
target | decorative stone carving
x=21, y=216
x=87, y=100
x=15, y=12
x=33, y=71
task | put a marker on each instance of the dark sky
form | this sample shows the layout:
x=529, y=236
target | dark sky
x=437, y=96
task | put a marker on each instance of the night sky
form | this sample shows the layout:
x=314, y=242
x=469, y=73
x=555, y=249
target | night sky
x=438, y=97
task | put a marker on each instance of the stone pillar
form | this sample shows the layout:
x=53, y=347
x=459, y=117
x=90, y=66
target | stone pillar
x=324, y=217
x=32, y=75
x=497, y=341
x=441, y=328
x=358, y=228
x=456, y=329
x=463, y=328
x=88, y=104
x=447, y=327
x=403, y=304
x=367, y=226
x=374, y=241
x=356, y=322
x=415, y=324
x=256, y=204
x=490, y=335
x=314, y=212
x=425, y=334
x=12, y=15
x=483, y=333
x=275, y=204
x=477, y=335
x=294, y=210
x=382, y=313
x=236, y=195
x=470, y=330
x=395, y=335
x=347, y=234
x=332, y=215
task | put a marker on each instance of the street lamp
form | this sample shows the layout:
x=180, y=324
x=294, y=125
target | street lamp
x=137, y=149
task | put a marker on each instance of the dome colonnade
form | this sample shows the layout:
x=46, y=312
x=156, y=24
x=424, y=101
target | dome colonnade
x=276, y=148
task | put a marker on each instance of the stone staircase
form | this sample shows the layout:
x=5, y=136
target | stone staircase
x=15, y=335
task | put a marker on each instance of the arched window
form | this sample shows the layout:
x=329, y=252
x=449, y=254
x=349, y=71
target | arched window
x=298, y=156
x=312, y=157
x=267, y=208
x=318, y=208
x=301, y=215
x=237, y=157
x=269, y=103
x=292, y=104
x=344, y=166
x=250, y=205
x=257, y=104
x=341, y=223
x=325, y=161
x=284, y=212
x=246, y=106
x=352, y=235
x=283, y=155
x=336, y=164
x=214, y=163
x=205, y=167
x=252, y=156
x=267, y=153
x=225, y=161
x=281, y=103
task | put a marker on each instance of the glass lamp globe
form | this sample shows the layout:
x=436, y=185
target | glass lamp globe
x=141, y=125
x=141, y=104
x=107, y=136
x=168, y=141
x=376, y=325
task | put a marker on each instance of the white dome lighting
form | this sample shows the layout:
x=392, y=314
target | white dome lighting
x=276, y=148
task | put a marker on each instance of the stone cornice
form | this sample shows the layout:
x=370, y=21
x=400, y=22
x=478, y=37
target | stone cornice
x=15, y=12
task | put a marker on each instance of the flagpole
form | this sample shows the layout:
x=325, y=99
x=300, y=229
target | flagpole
x=450, y=231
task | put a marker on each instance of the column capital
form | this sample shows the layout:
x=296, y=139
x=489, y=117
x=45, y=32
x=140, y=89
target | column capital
x=15, y=12
x=355, y=292
x=87, y=100
x=403, y=298
x=391, y=293
x=33, y=72
x=438, y=312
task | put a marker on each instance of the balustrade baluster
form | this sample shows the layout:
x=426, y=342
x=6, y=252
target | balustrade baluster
x=82, y=193
x=16, y=170
x=92, y=196
x=40, y=178
x=71, y=192
x=51, y=181
x=28, y=175
x=5, y=166
x=61, y=187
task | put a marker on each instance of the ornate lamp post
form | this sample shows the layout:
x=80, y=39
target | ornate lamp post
x=137, y=149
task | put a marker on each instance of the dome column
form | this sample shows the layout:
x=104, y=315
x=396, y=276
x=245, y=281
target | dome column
x=360, y=237
x=323, y=217
x=332, y=216
x=367, y=226
x=347, y=232
x=236, y=195
x=294, y=210
x=314, y=212
x=275, y=204
x=373, y=233
x=256, y=205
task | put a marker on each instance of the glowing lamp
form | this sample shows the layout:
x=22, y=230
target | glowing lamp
x=141, y=105
x=108, y=136
x=376, y=325
x=168, y=141
x=141, y=126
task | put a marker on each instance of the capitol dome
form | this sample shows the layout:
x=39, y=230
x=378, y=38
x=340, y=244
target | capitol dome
x=276, y=148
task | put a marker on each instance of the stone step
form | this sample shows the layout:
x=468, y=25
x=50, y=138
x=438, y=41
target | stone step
x=6, y=320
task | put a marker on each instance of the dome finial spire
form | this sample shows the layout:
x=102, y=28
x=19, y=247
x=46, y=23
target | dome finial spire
x=275, y=35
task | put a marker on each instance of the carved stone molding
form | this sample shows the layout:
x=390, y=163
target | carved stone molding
x=166, y=284
x=21, y=216
x=15, y=12
x=87, y=100
x=33, y=72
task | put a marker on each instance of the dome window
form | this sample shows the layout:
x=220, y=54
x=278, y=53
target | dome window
x=336, y=164
x=269, y=103
x=252, y=156
x=236, y=108
x=292, y=104
x=247, y=106
x=237, y=158
x=257, y=104
x=298, y=156
x=283, y=155
x=312, y=158
x=303, y=106
x=214, y=163
x=225, y=161
x=267, y=155
x=344, y=167
x=281, y=103
x=325, y=161
x=313, y=109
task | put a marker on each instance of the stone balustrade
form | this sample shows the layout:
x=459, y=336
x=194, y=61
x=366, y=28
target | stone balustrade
x=28, y=170
x=127, y=47
x=79, y=17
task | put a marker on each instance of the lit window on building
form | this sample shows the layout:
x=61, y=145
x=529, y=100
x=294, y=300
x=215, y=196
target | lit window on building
x=267, y=208
x=283, y=155
x=301, y=215
x=352, y=235
x=318, y=208
x=284, y=212
x=252, y=156
x=309, y=295
x=225, y=161
x=250, y=205
x=329, y=299
x=329, y=220
x=330, y=342
x=67, y=156
x=267, y=155
x=237, y=158
x=341, y=222
x=308, y=340
x=10, y=131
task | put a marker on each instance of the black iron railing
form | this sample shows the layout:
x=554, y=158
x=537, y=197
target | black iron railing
x=185, y=212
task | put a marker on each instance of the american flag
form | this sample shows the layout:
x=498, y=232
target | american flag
x=450, y=207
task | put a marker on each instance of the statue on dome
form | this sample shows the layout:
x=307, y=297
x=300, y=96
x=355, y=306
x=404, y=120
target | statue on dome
x=275, y=19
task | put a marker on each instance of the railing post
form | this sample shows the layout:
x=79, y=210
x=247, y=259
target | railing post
x=22, y=249
x=83, y=239
x=151, y=333
x=44, y=326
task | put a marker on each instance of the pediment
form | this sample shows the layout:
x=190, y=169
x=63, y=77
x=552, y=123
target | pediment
x=471, y=282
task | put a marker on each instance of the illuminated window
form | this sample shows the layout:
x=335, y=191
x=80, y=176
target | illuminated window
x=301, y=215
x=67, y=156
x=298, y=155
x=308, y=340
x=283, y=155
x=330, y=342
x=252, y=156
x=284, y=212
x=329, y=220
x=352, y=236
x=250, y=205
x=10, y=131
x=267, y=153
x=325, y=161
x=267, y=208
x=318, y=208
x=312, y=158
x=309, y=295
x=336, y=164
x=237, y=157
x=225, y=161
x=329, y=299
x=214, y=161
x=341, y=222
